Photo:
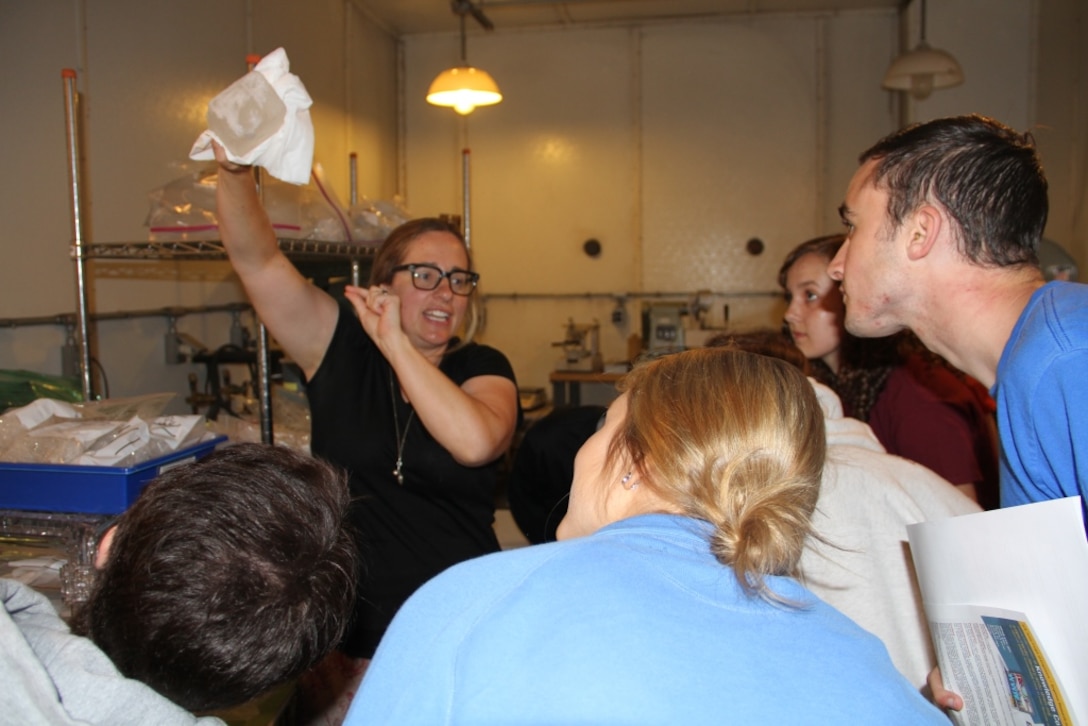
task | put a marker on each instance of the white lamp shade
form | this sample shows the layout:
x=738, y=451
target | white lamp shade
x=922, y=70
x=464, y=88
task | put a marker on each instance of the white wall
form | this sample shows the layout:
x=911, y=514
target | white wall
x=673, y=144
x=1061, y=121
x=994, y=45
x=1026, y=63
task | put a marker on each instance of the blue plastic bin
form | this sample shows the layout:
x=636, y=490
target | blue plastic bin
x=88, y=489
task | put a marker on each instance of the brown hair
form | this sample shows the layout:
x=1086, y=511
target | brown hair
x=866, y=362
x=987, y=176
x=826, y=246
x=764, y=341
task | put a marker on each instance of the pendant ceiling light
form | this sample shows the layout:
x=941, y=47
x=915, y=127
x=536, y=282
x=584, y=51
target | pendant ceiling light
x=923, y=69
x=464, y=87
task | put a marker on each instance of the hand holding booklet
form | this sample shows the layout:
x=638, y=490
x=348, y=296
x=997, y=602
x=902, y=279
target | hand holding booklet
x=1006, y=596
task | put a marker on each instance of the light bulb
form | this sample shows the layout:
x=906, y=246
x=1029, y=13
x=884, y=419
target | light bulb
x=463, y=88
x=921, y=85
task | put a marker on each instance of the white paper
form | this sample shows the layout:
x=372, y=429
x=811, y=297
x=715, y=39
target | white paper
x=1031, y=561
x=41, y=410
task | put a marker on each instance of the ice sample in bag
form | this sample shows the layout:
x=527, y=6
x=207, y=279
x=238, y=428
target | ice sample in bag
x=246, y=113
x=258, y=130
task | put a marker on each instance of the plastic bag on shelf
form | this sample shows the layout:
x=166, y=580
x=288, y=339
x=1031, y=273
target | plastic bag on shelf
x=290, y=419
x=335, y=227
x=147, y=407
x=184, y=209
x=372, y=221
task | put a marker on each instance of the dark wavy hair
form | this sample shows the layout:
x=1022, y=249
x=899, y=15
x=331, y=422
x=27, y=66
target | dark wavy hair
x=227, y=576
x=986, y=175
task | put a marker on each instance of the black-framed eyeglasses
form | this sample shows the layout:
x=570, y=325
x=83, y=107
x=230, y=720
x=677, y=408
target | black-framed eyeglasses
x=428, y=277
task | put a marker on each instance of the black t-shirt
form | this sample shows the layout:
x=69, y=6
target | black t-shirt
x=442, y=513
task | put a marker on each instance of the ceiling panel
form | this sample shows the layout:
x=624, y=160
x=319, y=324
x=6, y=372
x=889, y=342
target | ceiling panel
x=407, y=17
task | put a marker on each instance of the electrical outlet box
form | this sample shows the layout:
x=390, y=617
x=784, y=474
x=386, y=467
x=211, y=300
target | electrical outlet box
x=662, y=326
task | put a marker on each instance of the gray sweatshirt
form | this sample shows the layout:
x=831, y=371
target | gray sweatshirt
x=50, y=676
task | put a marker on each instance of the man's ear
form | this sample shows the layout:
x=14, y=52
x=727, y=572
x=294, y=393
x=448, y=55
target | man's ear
x=924, y=228
x=102, y=552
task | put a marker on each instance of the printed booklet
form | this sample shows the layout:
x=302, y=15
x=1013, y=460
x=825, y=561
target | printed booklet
x=1006, y=596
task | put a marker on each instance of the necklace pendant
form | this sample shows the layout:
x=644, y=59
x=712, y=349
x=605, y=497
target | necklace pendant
x=399, y=436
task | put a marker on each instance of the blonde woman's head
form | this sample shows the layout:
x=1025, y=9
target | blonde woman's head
x=732, y=438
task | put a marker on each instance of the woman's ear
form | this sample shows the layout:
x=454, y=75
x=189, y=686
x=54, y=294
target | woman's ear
x=102, y=552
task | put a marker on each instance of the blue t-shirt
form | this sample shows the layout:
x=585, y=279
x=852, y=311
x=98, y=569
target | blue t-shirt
x=1042, y=398
x=637, y=623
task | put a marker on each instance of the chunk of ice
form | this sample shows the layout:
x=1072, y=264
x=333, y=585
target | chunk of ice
x=246, y=113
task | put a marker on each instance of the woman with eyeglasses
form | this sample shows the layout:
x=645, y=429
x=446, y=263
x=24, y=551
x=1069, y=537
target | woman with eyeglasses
x=418, y=416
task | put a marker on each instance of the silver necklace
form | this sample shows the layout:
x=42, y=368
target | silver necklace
x=400, y=437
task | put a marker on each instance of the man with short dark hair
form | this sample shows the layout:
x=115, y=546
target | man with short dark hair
x=944, y=221
x=226, y=577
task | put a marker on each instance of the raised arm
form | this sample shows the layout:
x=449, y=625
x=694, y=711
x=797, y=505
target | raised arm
x=300, y=316
x=474, y=422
